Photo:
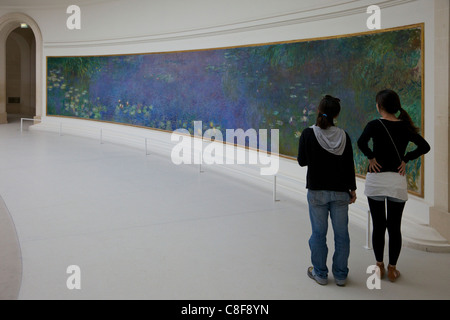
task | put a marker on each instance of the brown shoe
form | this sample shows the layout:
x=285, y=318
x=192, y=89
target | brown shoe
x=393, y=273
x=381, y=271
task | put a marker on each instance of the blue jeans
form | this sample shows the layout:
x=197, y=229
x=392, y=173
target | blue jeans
x=322, y=202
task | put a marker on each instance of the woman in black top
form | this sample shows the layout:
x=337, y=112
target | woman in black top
x=327, y=151
x=386, y=181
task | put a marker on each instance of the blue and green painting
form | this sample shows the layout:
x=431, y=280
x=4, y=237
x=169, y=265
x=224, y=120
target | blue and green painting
x=270, y=86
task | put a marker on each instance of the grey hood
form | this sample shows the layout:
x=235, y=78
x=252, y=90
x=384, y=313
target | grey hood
x=332, y=139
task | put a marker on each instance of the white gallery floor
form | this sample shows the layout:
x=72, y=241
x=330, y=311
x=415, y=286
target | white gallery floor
x=140, y=227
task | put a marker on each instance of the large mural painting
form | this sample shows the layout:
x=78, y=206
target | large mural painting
x=268, y=86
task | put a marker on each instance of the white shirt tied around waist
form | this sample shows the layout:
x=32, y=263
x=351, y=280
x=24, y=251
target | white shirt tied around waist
x=389, y=184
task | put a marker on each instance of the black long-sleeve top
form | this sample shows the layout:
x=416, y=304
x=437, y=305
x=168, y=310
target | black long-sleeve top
x=326, y=171
x=383, y=149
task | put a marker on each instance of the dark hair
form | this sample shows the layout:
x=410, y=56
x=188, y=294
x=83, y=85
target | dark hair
x=390, y=102
x=329, y=108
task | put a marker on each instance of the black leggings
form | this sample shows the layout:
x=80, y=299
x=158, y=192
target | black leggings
x=392, y=222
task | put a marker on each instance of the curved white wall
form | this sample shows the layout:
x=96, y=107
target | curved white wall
x=140, y=26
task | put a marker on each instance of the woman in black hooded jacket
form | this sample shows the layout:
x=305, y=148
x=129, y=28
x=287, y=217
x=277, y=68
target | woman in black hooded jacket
x=327, y=151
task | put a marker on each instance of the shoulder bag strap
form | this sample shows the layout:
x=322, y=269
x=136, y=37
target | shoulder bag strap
x=391, y=140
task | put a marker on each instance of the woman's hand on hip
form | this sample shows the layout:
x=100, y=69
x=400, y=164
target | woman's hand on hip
x=402, y=168
x=374, y=166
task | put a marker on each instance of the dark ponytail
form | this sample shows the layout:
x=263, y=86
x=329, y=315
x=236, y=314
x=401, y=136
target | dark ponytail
x=329, y=108
x=390, y=102
x=404, y=116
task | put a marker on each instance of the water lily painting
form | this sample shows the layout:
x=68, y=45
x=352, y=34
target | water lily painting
x=266, y=86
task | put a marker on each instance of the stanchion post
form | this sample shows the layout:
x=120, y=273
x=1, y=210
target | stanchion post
x=21, y=122
x=274, y=188
x=198, y=144
x=367, y=246
x=200, y=162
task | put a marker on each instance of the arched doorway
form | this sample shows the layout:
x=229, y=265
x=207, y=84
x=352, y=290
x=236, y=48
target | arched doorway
x=20, y=74
x=9, y=23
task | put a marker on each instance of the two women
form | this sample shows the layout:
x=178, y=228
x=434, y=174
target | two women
x=327, y=152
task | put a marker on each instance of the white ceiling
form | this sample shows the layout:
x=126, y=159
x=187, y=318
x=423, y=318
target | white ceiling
x=306, y=4
x=46, y=3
